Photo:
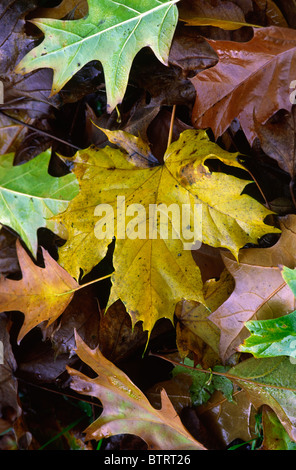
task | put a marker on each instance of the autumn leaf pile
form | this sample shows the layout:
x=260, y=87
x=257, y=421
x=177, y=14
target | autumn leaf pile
x=122, y=341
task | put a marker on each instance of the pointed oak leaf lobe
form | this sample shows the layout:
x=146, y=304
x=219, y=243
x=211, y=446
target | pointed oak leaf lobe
x=42, y=294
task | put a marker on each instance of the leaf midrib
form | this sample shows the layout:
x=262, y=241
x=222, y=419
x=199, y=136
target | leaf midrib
x=31, y=196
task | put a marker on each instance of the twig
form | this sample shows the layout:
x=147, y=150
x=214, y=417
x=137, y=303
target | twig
x=68, y=395
x=17, y=121
x=228, y=376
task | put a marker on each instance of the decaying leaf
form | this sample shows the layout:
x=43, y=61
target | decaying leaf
x=12, y=33
x=277, y=139
x=78, y=8
x=202, y=387
x=194, y=329
x=275, y=337
x=273, y=13
x=250, y=78
x=8, y=258
x=260, y=291
x=11, y=134
x=227, y=420
x=270, y=381
x=225, y=15
x=10, y=409
x=42, y=294
x=275, y=435
x=126, y=409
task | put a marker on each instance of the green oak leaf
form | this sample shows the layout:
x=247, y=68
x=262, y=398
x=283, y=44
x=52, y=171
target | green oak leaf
x=277, y=336
x=113, y=32
x=29, y=196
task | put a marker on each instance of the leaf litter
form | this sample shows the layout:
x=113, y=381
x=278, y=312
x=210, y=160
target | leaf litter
x=94, y=330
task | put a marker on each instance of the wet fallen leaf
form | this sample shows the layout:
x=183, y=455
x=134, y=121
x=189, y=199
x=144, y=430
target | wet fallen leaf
x=226, y=420
x=277, y=140
x=224, y=15
x=273, y=13
x=82, y=315
x=126, y=409
x=275, y=436
x=252, y=78
x=78, y=8
x=8, y=258
x=270, y=381
x=194, y=329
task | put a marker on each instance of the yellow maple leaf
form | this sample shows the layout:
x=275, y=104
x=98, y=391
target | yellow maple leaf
x=154, y=268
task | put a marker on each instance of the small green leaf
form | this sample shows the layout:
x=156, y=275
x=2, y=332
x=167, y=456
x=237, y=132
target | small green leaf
x=203, y=384
x=289, y=276
x=29, y=196
x=270, y=338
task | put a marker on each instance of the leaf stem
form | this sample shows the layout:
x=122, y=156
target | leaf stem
x=228, y=376
x=85, y=285
x=258, y=186
x=33, y=128
x=171, y=126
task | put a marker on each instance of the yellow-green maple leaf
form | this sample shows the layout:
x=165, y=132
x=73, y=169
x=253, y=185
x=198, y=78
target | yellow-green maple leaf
x=152, y=275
